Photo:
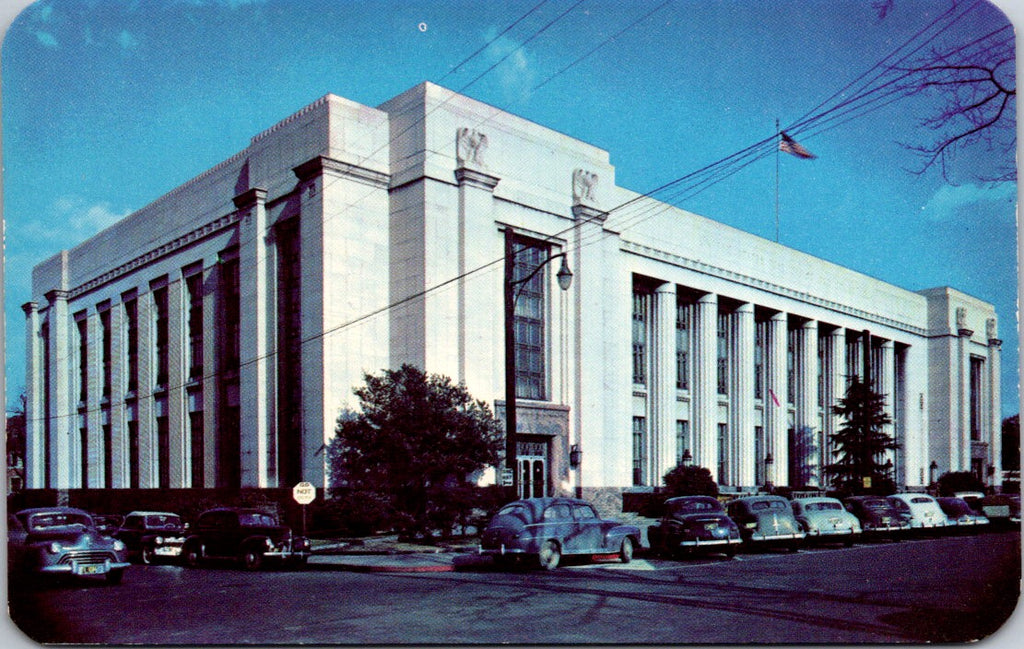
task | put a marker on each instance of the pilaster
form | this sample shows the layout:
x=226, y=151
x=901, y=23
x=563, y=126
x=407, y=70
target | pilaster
x=61, y=419
x=995, y=425
x=663, y=390
x=807, y=443
x=705, y=393
x=835, y=388
x=35, y=459
x=741, y=395
x=777, y=415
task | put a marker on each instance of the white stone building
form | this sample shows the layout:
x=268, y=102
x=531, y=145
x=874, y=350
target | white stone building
x=212, y=337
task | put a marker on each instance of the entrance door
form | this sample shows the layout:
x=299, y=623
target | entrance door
x=533, y=469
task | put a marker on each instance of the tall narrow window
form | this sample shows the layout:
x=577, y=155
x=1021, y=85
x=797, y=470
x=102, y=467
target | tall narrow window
x=760, y=334
x=791, y=365
x=821, y=371
x=108, y=450
x=194, y=286
x=163, y=444
x=682, y=439
x=760, y=456
x=131, y=319
x=231, y=309
x=133, y=445
x=723, y=453
x=640, y=305
x=198, y=456
x=977, y=406
x=83, y=433
x=229, y=414
x=106, y=345
x=528, y=320
x=161, y=328
x=723, y=353
x=83, y=358
x=639, y=450
x=289, y=355
x=683, y=346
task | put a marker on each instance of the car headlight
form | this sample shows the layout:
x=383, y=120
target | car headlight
x=118, y=545
x=54, y=548
x=158, y=540
x=750, y=526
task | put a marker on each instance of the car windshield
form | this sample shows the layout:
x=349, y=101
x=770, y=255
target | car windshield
x=51, y=520
x=765, y=505
x=957, y=507
x=256, y=519
x=700, y=506
x=878, y=505
x=163, y=521
x=822, y=506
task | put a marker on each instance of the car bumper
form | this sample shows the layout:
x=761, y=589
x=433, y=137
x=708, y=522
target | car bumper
x=83, y=569
x=501, y=551
x=759, y=537
x=287, y=555
x=825, y=533
x=706, y=543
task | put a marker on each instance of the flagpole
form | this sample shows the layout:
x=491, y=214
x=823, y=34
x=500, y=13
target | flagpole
x=776, y=181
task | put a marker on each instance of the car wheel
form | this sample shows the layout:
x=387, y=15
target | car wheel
x=549, y=555
x=115, y=576
x=252, y=559
x=626, y=551
x=148, y=555
x=193, y=555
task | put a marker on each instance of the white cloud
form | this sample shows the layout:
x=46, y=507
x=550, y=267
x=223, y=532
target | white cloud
x=46, y=39
x=951, y=202
x=78, y=220
x=515, y=73
x=127, y=41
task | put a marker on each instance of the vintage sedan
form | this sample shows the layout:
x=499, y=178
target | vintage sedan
x=878, y=518
x=249, y=536
x=1002, y=509
x=824, y=520
x=545, y=529
x=767, y=521
x=152, y=536
x=960, y=514
x=920, y=510
x=693, y=524
x=59, y=541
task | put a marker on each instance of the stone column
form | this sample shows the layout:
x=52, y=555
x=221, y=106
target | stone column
x=808, y=435
x=35, y=459
x=705, y=393
x=776, y=400
x=960, y=432
x=477, y=328
x=663, y=388
x=995, y=422
x=741, y=398
x=61, y=413
x=887, y=388
x=256, y=393
x=835, y=388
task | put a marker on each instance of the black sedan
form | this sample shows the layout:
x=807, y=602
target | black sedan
x=152, y=536
x=878, y=518
x=693, y=524
x=767, y=521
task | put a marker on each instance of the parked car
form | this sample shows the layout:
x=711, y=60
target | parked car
x=972, y=498
x=545, y=529
x=107, y=524
x=694, y=524
x=920, y=510
x=63, y=541
x=877, y=516
x=960, y=514
x=1002, y=509
x=151, y=536
x=250, y=536
x=825, y=520
x=767, y=521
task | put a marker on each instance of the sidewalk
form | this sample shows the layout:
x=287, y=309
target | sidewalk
x=387, y=554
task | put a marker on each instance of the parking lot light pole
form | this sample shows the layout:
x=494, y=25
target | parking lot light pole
x=564, y=276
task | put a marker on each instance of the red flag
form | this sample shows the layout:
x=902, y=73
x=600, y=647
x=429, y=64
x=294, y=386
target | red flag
x=775, y=399
x=792, y=147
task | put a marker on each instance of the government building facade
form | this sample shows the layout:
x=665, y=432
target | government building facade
x=212, y=338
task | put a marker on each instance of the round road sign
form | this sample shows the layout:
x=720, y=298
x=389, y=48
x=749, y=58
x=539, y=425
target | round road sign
x=304, y=493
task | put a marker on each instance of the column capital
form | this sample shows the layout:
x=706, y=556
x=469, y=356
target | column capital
x=582, y=212
x=995, y=342
x=780, y=316
x=809, y=324
x=30, y=308
x=57, y=295
x=250, y=197
x=666, y=288
x=475, y=178
x=708, y=298
x=746, y=307
x=965, y=333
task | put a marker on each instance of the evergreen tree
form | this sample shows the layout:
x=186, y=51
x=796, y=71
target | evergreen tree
x=860, y=444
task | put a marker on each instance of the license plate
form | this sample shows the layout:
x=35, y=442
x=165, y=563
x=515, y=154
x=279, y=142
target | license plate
x=90, y=570
x=710, y=526
x=168, y=551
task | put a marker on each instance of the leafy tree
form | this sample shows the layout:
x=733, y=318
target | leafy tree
x=860, y=444
x=415, y=440
x=954, y=481
x=1011, y=443
x=689, y=481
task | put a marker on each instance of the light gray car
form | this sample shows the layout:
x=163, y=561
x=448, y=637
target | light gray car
x=826, y=520
x=59, y=541
x=545, y=529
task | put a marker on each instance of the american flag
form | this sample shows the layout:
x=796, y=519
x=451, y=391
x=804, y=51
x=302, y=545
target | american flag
x=792, y=147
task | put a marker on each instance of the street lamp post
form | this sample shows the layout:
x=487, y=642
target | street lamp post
x=511, y=295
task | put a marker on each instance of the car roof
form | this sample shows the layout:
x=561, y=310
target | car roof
x=750, y=499
x=53, y=510
x=816, y=499
x=145, y=513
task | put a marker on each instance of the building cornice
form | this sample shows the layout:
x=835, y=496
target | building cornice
x=770, y=287
x=166, y=249
x=475, y=178
x=322, y=164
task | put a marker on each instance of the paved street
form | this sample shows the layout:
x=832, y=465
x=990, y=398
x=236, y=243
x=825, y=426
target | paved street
x=943, y=589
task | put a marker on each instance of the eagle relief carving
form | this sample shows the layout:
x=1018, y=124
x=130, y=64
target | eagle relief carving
x=961, y=317
x=470, y=145
x=584, y=186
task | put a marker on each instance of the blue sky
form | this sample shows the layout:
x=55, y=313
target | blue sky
x=108, y=105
